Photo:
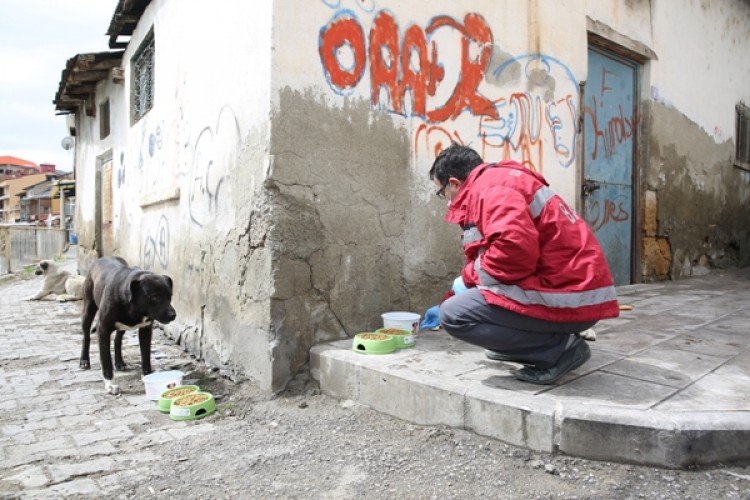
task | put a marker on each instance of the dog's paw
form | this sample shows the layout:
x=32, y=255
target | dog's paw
x=589, y=335
x=84, y=364
x=111, y=388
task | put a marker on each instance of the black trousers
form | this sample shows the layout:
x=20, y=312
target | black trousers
x=468, y=317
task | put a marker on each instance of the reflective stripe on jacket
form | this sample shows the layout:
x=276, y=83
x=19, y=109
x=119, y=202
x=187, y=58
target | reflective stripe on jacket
x=527, y=250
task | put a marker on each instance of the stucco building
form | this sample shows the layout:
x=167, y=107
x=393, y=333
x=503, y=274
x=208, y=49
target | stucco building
x=11, y=189
x=272, y=156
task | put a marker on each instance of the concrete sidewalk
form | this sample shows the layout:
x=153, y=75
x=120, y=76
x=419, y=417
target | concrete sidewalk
x=668, y=382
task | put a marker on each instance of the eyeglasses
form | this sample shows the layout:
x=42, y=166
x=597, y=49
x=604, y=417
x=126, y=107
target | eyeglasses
x=441, y=192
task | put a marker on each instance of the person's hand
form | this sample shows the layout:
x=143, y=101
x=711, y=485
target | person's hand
x=431, y=319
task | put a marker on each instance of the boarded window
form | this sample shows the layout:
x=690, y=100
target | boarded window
x=142, y=79
x=104, y=120
x=742, y=137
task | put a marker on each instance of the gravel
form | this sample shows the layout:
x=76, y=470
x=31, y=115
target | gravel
x=303, y=444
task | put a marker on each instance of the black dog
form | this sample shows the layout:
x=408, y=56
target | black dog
x=126, y=298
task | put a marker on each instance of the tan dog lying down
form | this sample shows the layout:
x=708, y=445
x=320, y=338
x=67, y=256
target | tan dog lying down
x=62, y=283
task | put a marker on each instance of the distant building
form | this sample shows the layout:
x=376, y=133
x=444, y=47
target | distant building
x=27, y=190
x=10, y=166
x=11, y=190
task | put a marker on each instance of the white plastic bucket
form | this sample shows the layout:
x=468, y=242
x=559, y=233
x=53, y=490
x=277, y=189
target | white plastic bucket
x=158, y=382
x=401, y=319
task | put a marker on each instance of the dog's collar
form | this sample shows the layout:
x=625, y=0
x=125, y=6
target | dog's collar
x=146, y=321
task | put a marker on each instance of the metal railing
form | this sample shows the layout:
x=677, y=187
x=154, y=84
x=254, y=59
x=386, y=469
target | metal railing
x=21, y=246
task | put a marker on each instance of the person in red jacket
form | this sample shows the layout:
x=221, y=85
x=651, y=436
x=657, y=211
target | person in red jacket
x=535, y=273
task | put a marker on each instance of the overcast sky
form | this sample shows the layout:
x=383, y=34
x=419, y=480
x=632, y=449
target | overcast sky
x=37, y=37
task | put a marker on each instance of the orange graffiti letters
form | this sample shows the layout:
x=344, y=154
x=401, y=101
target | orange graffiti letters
x=611, y=213
x=409, y=65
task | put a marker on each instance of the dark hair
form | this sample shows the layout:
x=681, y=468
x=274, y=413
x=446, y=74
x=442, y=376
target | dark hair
x=456, y=161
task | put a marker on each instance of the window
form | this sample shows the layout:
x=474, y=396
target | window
x=142, y=79
x=742, y=137
x=104, y=120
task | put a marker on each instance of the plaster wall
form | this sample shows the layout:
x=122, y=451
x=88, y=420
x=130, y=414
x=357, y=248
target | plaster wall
x=701, y=199
x=281, y=177
x=187, y=178
x=703, y=66
x=693, y=201
x=351, y=146
x=371, y=138
x=511, y=94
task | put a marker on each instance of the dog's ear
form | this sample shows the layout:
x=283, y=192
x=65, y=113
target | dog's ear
x=130, y=289
x=169, y=280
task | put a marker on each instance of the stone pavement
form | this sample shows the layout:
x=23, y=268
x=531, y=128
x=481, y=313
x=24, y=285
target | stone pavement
x=60, y=434
x=668, y=382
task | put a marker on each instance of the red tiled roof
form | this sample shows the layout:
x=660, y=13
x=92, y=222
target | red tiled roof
x=12, y=160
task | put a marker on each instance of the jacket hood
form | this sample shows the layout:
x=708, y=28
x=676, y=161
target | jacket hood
x=458, y=206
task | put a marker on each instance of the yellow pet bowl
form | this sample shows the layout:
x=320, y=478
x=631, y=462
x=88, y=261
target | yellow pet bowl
x=374, y=343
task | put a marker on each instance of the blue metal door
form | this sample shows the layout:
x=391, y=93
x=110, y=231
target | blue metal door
x=610, y=124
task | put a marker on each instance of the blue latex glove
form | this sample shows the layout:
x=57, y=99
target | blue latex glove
x=432, y=315
x=431, y=319
x=458, y=285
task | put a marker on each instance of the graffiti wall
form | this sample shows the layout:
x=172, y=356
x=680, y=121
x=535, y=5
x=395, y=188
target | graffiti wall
x=185, y=176
x=281, y=175
x=447, y=75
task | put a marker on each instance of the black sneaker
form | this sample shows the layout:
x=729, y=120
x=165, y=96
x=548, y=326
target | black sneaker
x=573, y=357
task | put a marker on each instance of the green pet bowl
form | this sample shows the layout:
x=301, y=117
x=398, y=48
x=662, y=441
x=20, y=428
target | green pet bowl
x=374, y=343
x=193, y=406
x=167, y=397
x=403, y=338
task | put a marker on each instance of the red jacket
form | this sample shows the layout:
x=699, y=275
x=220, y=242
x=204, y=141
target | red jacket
x=527, y=250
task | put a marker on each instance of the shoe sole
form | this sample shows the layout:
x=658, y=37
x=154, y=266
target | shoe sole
x=496, y=356
x=577, y=363
x=505, y=359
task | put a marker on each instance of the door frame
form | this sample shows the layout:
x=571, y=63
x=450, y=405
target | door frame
x=639, y=55
x=99, y=187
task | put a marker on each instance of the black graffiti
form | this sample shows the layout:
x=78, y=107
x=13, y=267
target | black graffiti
x=157, y=247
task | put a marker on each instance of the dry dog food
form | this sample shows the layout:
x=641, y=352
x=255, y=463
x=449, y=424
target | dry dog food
x=373, y=336
x=191, y=400
x=176, y=393
x=394, y=331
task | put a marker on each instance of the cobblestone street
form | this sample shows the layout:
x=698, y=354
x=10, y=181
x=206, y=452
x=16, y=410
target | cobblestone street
x=60, y=434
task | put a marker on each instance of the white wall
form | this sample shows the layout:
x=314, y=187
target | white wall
x=189, y=198
x=704, y=64
x=186, y=176
x=531, y=82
